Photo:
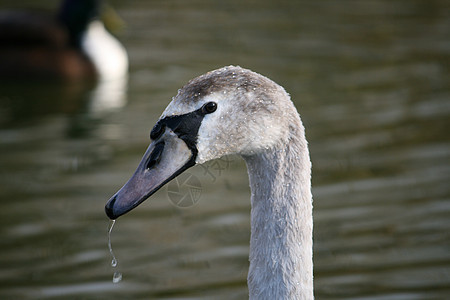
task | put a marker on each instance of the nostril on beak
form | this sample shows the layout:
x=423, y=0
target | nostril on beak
x=109, y=208
x=155, y=157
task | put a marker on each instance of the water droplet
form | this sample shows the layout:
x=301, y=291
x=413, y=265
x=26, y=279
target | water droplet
x=114, y=260
x=117, y=277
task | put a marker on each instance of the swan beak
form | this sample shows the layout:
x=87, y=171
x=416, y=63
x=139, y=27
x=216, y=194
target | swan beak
x=165, y=158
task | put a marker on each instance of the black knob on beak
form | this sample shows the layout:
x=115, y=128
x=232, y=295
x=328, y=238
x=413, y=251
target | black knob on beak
x=157, y=130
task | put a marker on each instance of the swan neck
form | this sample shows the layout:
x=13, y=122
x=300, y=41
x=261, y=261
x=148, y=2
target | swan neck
x=281, y=221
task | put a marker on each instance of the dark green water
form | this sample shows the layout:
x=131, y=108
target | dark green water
x=371, y=81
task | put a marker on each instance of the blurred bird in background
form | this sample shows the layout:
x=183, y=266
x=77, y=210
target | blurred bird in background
x=70, y=45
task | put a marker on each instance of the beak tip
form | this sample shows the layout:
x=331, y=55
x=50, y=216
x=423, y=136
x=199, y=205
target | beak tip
x=109, y=208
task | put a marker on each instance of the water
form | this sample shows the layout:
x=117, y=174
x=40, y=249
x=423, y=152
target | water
x=117, y=277
x=371, y=81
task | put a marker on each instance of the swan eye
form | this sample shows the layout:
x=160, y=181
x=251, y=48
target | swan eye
x=157, y=131
x=209, y=107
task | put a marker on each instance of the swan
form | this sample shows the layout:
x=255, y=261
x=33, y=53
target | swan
x=236, y=111
x=73, y=45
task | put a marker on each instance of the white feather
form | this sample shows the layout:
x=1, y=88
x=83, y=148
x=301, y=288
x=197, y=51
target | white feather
x=107, y=54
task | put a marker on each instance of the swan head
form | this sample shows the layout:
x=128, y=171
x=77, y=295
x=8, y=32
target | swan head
x=227, y=111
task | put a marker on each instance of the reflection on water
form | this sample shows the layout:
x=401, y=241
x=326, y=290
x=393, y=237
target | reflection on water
x=22, y=103
x=371, y=82
x=108, y=95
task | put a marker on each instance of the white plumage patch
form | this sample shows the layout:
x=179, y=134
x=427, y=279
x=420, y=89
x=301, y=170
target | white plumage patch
x=107, y=54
